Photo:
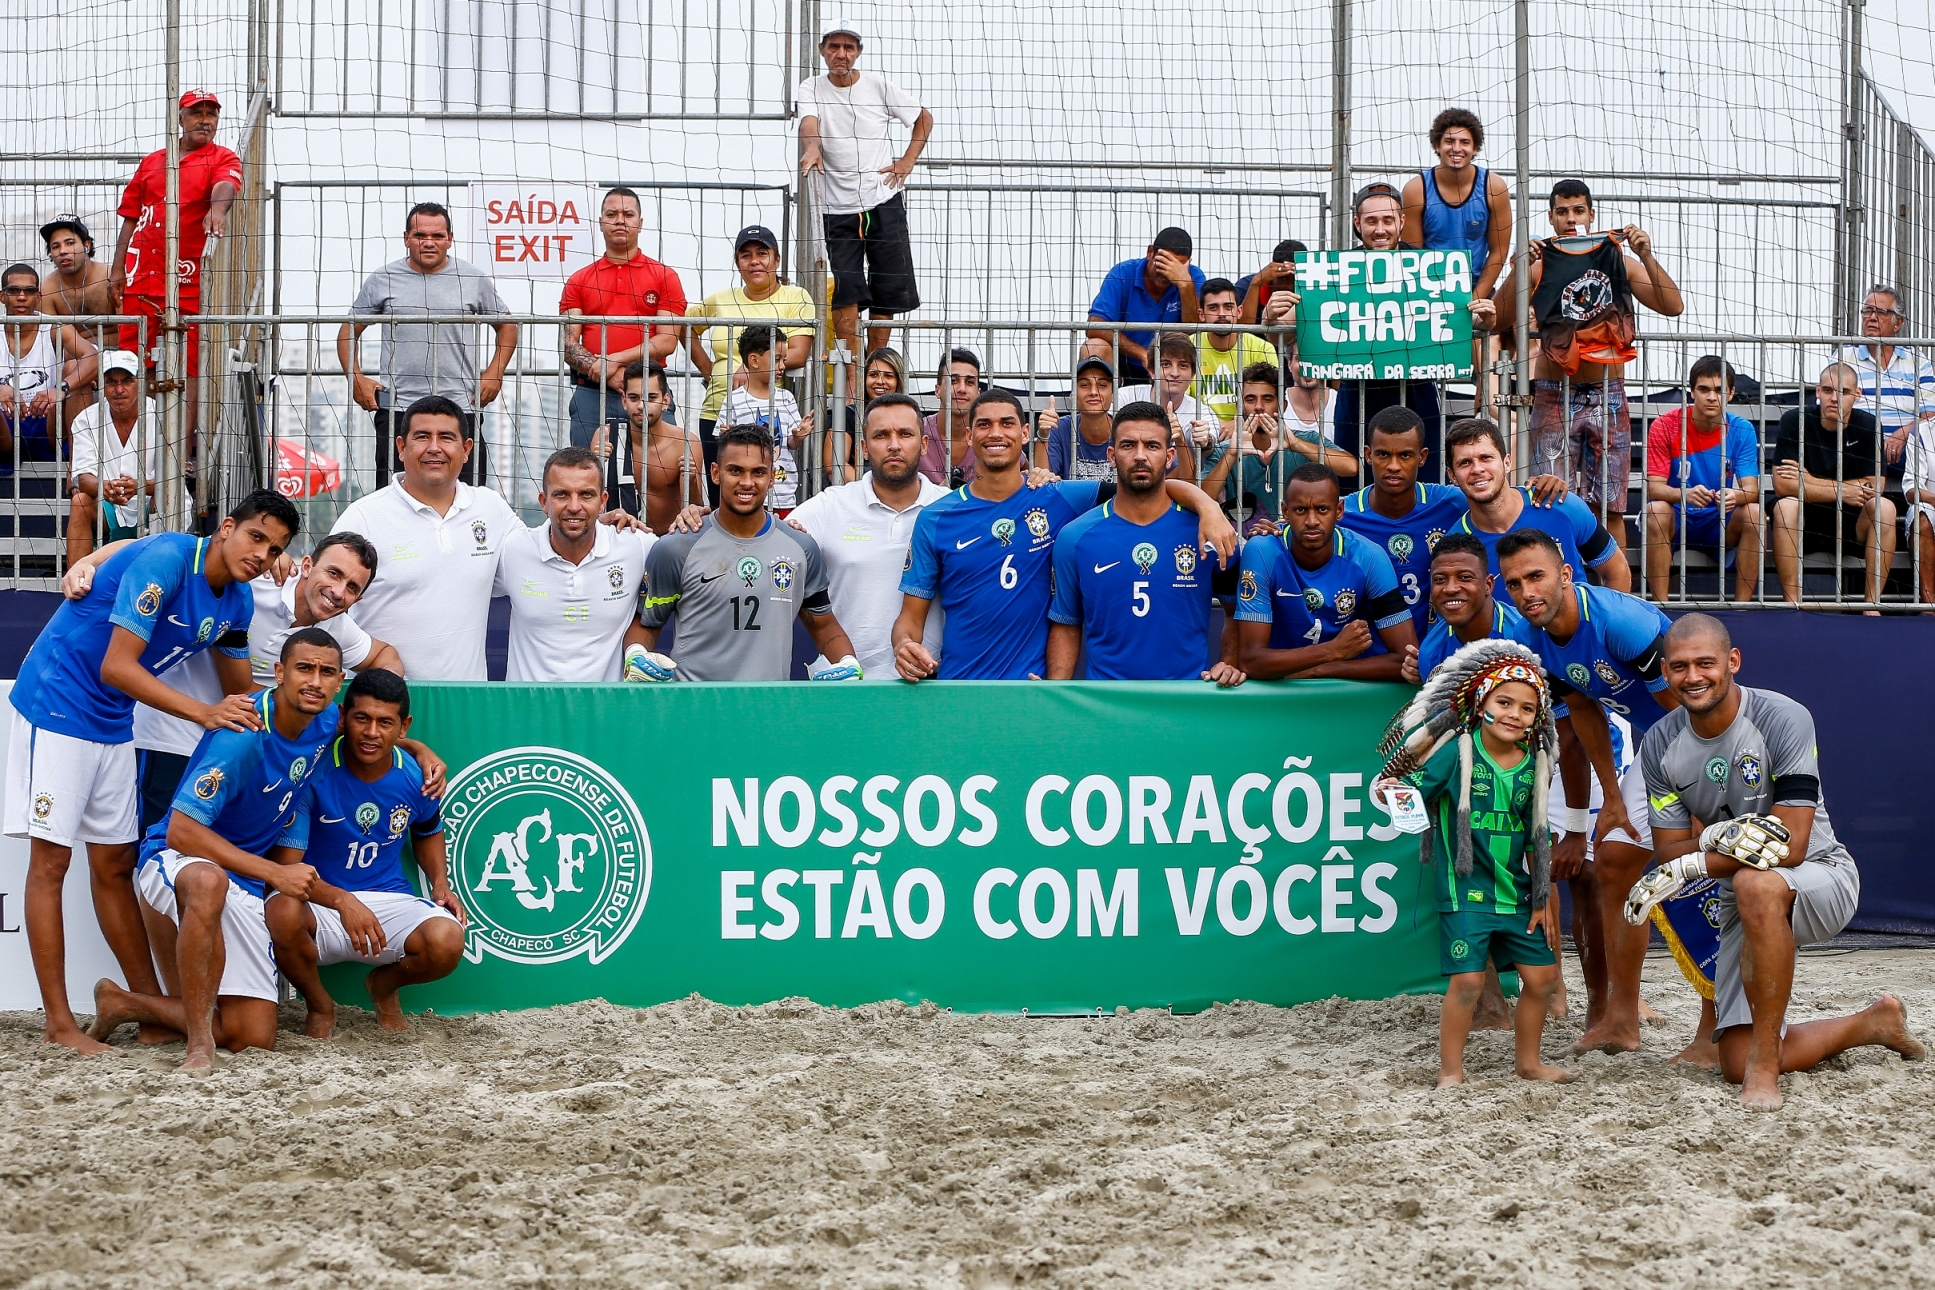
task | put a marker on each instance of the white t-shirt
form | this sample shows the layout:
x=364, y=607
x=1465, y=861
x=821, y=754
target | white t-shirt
x=568, y=621
x=855, y=142
x=780, y=414
x=99, y=451
x=158, y=731
x=1322, y=428
x=1189, y=411
x=275, y=618
x=864, y=543
x=430, y=598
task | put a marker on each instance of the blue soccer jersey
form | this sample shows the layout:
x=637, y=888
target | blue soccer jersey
x=1409, y=540
x=990, y=566
x=1310, y=606
x=1571, y=524
x=1139, y=592
x=352, y=831
x=243, y=784
x=157, y=590
x=1441, y=642
x=1613, y=657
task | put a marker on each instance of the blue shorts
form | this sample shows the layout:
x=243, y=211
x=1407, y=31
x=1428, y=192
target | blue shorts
x=1701, y=530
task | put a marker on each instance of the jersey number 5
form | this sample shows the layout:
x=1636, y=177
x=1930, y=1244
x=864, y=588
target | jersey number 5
x=751, y=622
x=1139, y=599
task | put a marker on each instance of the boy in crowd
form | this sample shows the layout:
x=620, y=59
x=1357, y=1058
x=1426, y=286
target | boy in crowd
x=762, y=402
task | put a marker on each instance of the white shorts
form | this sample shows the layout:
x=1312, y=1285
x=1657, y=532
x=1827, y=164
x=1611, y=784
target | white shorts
x=400, y=914
x=1639, y=833
x=248, y=970
x=66, y=790
x=1826, y=892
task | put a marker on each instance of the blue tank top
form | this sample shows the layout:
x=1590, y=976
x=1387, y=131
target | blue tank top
x=1458, y=228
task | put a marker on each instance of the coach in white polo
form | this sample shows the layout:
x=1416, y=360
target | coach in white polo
x=436, y=541
x=572, y=582
x=865, y=528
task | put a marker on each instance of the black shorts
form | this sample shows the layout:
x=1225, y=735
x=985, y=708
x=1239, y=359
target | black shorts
x=872, y=259
x=1817, y=529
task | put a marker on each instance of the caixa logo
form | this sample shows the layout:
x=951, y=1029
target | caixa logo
x=549, y=854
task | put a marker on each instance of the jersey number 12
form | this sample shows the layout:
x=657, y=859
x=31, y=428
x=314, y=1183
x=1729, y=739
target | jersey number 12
x=751, y=622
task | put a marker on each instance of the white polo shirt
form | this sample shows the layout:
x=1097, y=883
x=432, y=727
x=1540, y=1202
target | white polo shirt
x=275, y=618
x=568, y=620
x=430, y=598
x=865, y=543
x=158, y=731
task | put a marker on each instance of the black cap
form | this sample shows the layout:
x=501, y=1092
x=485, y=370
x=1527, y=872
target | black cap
x=1098, y=364
x=754, y=233
x=1287, y=250
x=70, y=222
x=1175, y=240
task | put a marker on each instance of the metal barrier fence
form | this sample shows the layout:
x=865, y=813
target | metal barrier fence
x=292, y=422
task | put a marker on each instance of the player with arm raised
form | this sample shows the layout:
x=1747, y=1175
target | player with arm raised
x=205, y=872
x=1302, y=589
x=350, y=823
x=1744, y=761
x=985, y=552
x=1131, y=580
x=737, y=585
x=71, y=774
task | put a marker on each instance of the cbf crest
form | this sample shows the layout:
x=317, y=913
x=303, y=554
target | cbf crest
x=480, y=533
x=782, y=574
x=366, y=816
x=1004, y=530
x=399, y=820
x=1186, y=560
x=1606, y=672
x=1749, y=768
x=615, y=575
x=1400, y=546
x=1037, y=521
x=1346, y=603
x=1144, y=556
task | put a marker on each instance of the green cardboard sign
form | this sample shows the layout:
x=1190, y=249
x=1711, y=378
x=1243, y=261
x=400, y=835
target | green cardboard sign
x=1384, y=315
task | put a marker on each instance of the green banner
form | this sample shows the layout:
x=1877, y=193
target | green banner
x=1384, y=315
x=988, y=846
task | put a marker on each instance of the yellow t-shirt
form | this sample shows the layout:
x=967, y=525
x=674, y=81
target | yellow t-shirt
x=722, y=341
x=1219, y=372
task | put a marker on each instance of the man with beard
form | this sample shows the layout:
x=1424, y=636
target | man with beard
x=1480, y=467
x=1131, y=583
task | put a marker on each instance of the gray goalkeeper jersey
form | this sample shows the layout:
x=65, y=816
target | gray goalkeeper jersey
x=1765, y=758
x=735, y=599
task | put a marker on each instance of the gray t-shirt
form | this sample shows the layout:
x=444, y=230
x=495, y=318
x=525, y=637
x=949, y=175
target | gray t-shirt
x=1764, y=759
x=427, y=358
x=735, y=599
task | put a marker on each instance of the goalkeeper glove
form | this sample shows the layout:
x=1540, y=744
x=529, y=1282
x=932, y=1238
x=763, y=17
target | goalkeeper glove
x=847, y=669
x=1664, y=883
x=1756, y=840
x=643, y=665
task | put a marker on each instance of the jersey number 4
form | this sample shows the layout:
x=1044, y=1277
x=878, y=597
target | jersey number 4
x=751, y=617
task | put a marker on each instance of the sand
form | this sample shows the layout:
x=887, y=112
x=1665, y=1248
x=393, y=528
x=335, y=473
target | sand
x=790, y=1145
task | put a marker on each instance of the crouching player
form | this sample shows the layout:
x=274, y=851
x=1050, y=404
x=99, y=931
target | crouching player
x=1477, y=743
x=350, y=822
x=204, y=868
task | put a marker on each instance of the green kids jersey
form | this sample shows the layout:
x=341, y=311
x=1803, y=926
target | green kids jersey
x=1501, y=823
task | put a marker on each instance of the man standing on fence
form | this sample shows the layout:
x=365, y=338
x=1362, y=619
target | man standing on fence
x=211, y=176
x=1897, y=385
x=420, y=359
x=623, y=281
x=844, y=139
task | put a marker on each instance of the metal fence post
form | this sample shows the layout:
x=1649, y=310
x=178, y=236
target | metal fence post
x=1340, y=123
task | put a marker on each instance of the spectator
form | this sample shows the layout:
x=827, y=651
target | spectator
x=113, y=455
x=1897, y=385
x=1258, y=289
x=40, y=364
x=1379, y=220
x=1192, y=422
x=1310, y=406
x=422, y=359
x=674, y=460
x=755, y=253
x=438, y=538
x=866, y=528
x=946, y=458
x=1162, y=286
x=1259, y=482
x=1828, y=482
x=1224, y=355
x=844, y=138
x=1703, y=482
x=1581, y=428
x=210, y=176
x=1078, y=444
x=78, y=285
x=1458, y=205
x=762, y=402
x=623, y=281
x=1918, y=491
x=885, y=372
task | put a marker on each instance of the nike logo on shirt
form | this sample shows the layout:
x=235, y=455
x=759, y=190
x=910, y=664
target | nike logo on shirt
x=270, y=788
x=176, y=621
x=710, y=577
x=1104, y=568
x=332, y=820
x=962, y=546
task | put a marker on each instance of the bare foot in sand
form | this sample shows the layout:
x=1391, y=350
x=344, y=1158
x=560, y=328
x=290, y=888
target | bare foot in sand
x=1550, y=1074
x=1605, y=1038
x=1647, y=1017
x=1703, y=1053
x=389, y=1009
x=321, y=1022
x=77, y=1039
x=1451, y=1079
x=1891, y=1021
x=110, y=1012
x=1558, y=1007
x=1760, y=1091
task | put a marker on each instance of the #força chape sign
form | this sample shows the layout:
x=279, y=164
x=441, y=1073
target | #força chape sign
x=1384, y=315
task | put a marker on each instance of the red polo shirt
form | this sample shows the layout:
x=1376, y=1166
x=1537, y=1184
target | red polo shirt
x=641, y=285
x=201, y=170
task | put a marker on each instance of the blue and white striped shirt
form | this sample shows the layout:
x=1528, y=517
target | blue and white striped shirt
x=1897, y=394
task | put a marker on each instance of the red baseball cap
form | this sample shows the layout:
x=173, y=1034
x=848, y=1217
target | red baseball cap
x=192, y=97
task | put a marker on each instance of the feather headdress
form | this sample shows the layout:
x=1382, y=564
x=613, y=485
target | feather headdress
x=1447, y=709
